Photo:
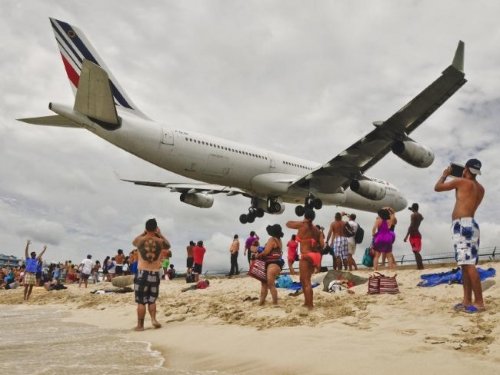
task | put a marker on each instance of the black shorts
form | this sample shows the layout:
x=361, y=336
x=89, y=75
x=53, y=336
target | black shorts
x=197, y=268
x=146, y=287
x=119, y=270
x=189, y=262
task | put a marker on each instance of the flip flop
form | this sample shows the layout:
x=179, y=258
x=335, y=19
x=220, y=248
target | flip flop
x=473, y=309
x=459, y=307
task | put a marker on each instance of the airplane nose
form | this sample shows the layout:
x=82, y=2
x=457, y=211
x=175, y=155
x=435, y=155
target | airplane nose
x=402, y=204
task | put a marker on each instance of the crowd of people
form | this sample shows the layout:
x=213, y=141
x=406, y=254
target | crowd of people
x=152, y=252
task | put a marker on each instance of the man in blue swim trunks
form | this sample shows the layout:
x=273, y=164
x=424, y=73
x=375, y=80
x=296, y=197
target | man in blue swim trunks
x=465, y=231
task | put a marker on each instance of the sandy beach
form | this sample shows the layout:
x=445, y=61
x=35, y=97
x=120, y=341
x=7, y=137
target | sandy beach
x=223, y=329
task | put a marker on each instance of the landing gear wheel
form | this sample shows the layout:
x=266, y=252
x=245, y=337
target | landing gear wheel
x=300, y=210
x=276, y=207
x=259, y=212
x=317, y=203
x=250, y=218
x=243, y=219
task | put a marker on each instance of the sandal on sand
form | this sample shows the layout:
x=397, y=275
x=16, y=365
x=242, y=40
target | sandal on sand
x=459, y=307
x=473, y=309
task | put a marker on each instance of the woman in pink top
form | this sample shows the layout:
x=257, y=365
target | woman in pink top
x=292, y=253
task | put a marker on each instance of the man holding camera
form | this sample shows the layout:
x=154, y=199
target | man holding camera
x=465, y=231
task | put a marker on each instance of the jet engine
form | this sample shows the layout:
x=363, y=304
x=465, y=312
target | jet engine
x=197, y=199
x=369, y=189
x=413, y=153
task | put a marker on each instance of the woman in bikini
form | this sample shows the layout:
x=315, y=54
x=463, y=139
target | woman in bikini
x=272, y=255
x=311, y=242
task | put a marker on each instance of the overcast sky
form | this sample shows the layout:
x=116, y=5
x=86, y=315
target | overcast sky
x=302, y=78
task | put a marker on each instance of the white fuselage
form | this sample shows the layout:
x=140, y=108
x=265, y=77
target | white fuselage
x=219, y=161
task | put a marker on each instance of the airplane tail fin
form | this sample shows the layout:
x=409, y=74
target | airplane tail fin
x=94, y=97
x=75, y=49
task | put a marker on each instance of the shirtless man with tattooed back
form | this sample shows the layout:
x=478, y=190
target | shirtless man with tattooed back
x=152, y=247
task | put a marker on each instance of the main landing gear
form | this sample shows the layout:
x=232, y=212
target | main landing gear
x=310, y=203
x=256, y=210
x=252, y=214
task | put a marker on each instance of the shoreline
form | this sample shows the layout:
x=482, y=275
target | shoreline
x=219, y=329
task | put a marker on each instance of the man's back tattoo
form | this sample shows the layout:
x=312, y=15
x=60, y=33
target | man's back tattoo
x=150, y=249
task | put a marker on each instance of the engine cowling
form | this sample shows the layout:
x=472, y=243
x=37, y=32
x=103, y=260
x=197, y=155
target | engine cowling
x=413, y=153
x=197, y=199
x=369, y=189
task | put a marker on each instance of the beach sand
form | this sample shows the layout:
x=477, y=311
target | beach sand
x=223, y=329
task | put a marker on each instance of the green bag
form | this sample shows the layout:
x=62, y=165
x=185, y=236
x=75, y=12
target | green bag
x=367, y=258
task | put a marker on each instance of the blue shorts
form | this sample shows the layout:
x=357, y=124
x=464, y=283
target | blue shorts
x=465, y=237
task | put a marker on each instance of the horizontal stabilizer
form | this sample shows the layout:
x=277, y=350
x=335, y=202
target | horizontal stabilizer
x=50, y=121
x=94, y=97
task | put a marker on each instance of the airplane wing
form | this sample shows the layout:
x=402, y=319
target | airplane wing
x=190, y=188
x=351, y=163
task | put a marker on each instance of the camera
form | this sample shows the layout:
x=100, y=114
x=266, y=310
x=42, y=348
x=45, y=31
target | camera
x=456, y=169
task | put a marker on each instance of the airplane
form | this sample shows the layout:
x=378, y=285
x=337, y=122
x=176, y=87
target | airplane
x=219, y=166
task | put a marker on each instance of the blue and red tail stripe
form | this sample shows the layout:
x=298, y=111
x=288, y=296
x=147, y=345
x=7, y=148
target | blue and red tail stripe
x=75, y=50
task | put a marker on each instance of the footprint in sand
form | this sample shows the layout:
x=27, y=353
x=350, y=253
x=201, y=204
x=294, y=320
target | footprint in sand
x=435, y=340
x=408, y=332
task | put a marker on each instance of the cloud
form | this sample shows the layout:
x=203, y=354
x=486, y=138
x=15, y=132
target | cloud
x=301, y=79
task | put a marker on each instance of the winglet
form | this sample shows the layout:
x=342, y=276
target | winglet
x=458, y=59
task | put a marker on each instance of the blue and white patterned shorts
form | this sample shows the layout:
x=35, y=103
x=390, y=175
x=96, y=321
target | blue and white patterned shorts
x=465, y=237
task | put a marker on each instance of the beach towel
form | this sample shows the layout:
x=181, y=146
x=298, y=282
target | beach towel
x=452, y=277
x=284, y=281
x=296, y=286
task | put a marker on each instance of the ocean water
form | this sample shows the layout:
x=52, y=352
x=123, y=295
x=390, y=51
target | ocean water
x=38, y=341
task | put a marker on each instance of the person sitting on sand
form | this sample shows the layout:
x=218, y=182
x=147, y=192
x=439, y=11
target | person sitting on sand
x=171, y=273
x=150, y=245
x=311, y=243
x=272, y=255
